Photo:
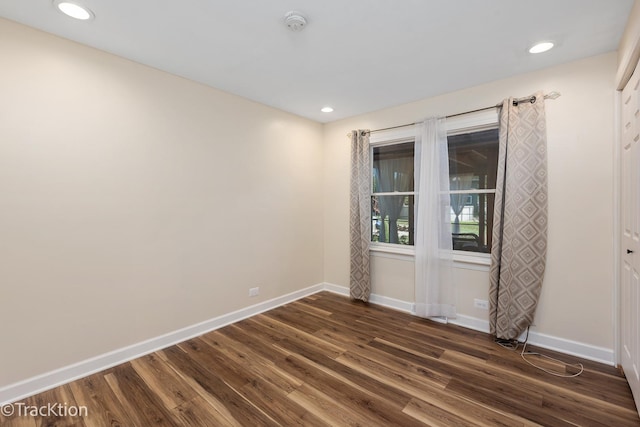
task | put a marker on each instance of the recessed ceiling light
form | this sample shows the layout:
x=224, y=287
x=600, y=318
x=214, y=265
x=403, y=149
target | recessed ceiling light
x=541, y=47
x=327, y=110
x=74, y=10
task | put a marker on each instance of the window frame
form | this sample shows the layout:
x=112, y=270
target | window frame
x=466, y=123
x=391, y=247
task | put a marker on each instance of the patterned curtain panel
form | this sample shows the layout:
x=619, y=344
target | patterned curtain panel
x=360, y=211
x=520, y=224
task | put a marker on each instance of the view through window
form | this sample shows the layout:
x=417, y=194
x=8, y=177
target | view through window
x=393, y=196
x=473, y=159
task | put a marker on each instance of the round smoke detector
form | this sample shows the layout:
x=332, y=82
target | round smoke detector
x=295, y=21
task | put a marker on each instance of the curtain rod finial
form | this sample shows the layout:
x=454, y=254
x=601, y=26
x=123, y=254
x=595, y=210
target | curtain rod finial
x=553, y=95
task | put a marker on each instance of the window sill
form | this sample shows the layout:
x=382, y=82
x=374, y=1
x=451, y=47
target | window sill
x=461, y=259
x=472, y=258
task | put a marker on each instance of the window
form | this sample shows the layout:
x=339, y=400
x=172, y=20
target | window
x=392, y=193
x=473, y=160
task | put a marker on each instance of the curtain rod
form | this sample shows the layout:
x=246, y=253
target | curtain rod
x=531, y=99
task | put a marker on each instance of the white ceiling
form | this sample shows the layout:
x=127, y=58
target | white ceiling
x=354, y=55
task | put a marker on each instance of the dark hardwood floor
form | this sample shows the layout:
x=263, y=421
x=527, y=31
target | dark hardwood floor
x=325, y=360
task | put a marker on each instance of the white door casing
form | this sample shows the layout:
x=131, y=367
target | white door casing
x=630, y=235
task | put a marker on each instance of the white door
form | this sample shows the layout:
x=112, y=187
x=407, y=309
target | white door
x=630, y=241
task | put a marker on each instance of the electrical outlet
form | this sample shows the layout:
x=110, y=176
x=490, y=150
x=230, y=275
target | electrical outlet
x=481, y=303
x=253, y=292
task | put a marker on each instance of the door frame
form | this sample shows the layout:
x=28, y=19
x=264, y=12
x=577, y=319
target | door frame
x=617, y=227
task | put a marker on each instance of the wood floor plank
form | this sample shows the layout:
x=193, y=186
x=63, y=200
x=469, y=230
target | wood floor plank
x=326, y=360
x=199, y=412
x=294, y=342
x=268, y=398
x=167, y=384
x=18, y=421
x=357, y=399
x=310, y=309
x=106, y=411
x=50, y=408
x=291, y=334
x=522, y=406
x=252, y=362
x=328, y=322
x=239, y=408
x=216, y=409
x=593, y=383
x=416, y=339
x=409, y=345
x=559, y=389
x=290, y=315
x=362, y=381
x=586, y=415
x=436, y=416
x=406, y=362
x=213, y=360
x=332, y=411
x=252, y=338
x=412, y=384
x=471, y=411
x=266, y=391
x=477, y=371
x=139, y=401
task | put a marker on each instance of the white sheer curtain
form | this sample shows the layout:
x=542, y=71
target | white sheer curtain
x=435, y=293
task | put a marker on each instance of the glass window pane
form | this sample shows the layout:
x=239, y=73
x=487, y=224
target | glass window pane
x=472, y=221
x=393, y=168
x=473, y=158
x=392, y=219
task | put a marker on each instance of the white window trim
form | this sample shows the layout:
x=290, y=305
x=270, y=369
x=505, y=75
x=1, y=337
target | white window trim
x=472, y=122
x=393, y=136
x=391, y=248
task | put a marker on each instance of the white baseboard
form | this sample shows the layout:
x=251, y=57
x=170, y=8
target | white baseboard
x=471, y=323
x=69, y=373
x=49, y=380
x=407, y=307
x=574, y=348
x=563, y=345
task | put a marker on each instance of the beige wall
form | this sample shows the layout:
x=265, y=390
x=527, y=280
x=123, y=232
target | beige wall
x=577, y=296
x=134, y=202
